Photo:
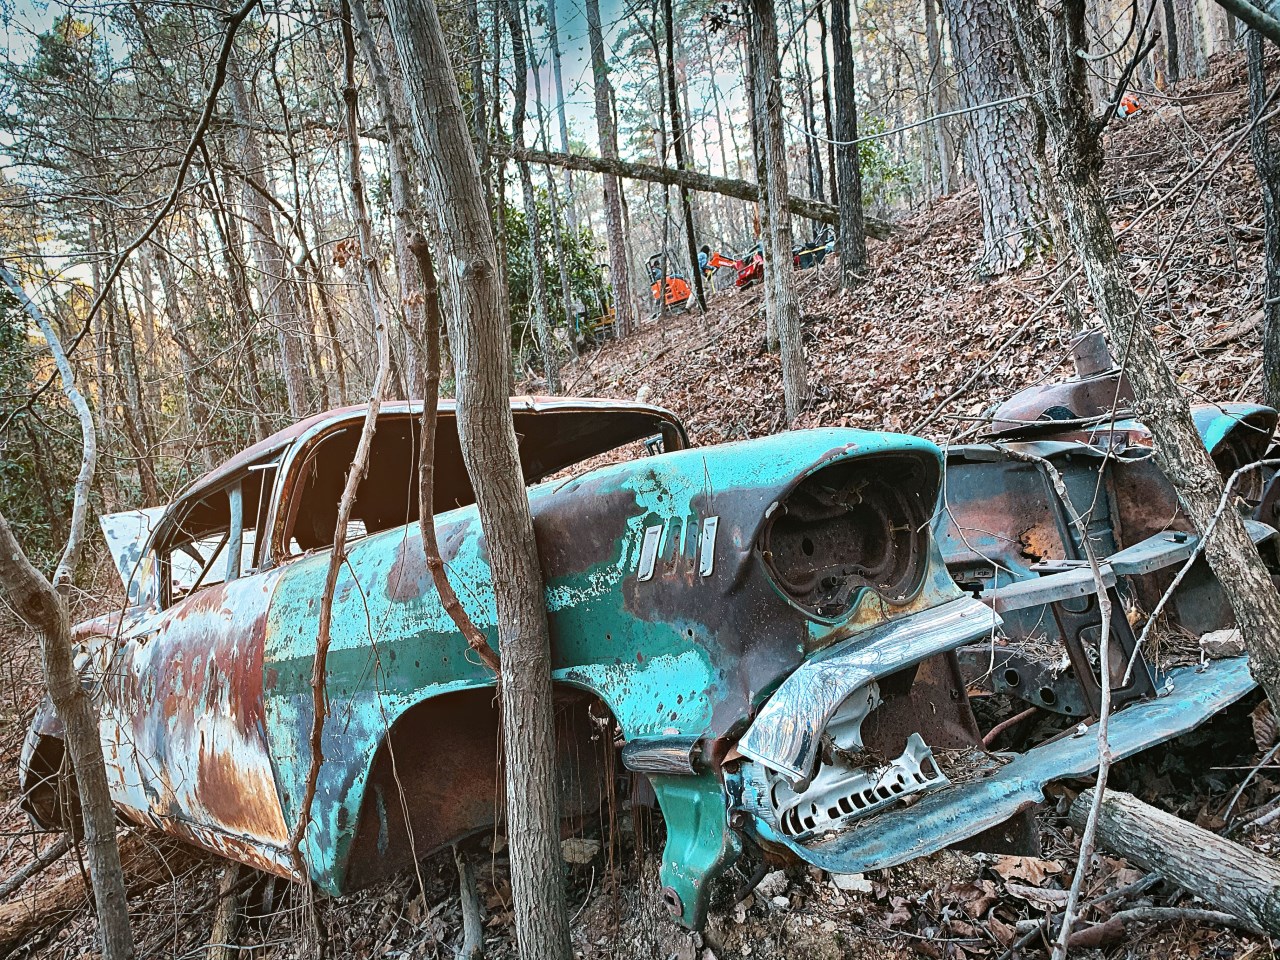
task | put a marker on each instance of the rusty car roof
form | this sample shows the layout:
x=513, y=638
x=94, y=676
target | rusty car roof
x=281, y=439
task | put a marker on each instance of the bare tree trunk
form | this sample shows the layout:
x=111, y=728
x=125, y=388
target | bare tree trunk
x=779, y=277
x=1228, y=875
x=808, y=107
x=678, y=143
x=1003, y=134
x=553, y=35
x=479, y=119
x=1049, y=46
x=403, y=198
x=1265, y=146
x=226, y=914
x=192, y=379
x=828, y=111
x=498, y=207
x=756, y=112
x=429, y=349
x=238, y=282
x=937, y=78
x=131, y=412
x=478, y=327
x=539, y=313
x=1170, y=41
x=1260, y=15
x=619, y=269
x=43, y=605
x=553, y=197
x=274, y=282
x=853, y=231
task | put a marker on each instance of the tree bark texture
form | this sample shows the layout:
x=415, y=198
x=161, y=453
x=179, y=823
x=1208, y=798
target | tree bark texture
x=478, y=327
x=226, y=915
x=539, y=314
x=404, y=203
x=1265, y=146
x=197, y=410
x=1261, y=15
x=1049, y=47
x=779, y=277
x=828, y=110
x=553, y=38
x=1229, y=876
x=227, y=226
x=553, y=198
x=606, y=131
x=937, y=78
x=1003, y=139
x=428, y=348
x=756, y=111
x=853, y=231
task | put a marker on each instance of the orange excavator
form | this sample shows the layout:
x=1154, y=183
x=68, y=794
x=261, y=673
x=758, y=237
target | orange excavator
x=671, y=289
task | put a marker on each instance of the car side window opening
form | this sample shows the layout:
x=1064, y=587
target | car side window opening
x=214, y=538
x=549, y=441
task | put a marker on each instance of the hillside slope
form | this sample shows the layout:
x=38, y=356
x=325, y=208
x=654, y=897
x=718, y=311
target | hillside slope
x=926, y=344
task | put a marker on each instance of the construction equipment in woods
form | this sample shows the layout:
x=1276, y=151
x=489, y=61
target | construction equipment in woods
x=751, y=268
x=806, y=255
x=671, y=289
x=602, y=326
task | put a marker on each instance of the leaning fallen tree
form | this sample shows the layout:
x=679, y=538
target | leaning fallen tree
x=689, y=179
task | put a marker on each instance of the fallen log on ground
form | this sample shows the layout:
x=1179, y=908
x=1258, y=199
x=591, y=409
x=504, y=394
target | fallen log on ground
x=145, y=864
x=1231, y=877
x=817, y=210
x=35, y=867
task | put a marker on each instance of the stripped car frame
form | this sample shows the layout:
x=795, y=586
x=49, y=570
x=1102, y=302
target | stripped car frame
x=783, y=633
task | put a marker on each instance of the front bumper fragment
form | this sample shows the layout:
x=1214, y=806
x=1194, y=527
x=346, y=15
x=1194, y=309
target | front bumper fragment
x=959, y=812
x=786, y=732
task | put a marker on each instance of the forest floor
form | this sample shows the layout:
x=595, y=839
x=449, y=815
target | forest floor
x=924, y=346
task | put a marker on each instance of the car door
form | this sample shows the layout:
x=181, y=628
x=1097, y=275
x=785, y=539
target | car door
x=183, y=728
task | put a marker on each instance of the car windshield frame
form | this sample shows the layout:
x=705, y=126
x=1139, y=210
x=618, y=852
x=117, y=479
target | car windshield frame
x=632, y=422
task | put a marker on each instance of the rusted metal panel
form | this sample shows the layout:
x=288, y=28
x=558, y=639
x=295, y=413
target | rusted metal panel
x=183, y=724
x=677, y=654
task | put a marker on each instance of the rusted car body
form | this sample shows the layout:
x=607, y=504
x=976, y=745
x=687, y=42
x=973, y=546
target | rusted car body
x=784, y=633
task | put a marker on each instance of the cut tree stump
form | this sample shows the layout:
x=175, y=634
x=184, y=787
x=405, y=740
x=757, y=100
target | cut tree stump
x=1233, y=878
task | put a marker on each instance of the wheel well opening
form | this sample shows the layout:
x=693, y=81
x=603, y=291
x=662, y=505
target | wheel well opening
x=437, y=777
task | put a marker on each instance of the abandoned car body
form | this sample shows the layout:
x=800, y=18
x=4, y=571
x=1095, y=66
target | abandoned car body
x=783, y=632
